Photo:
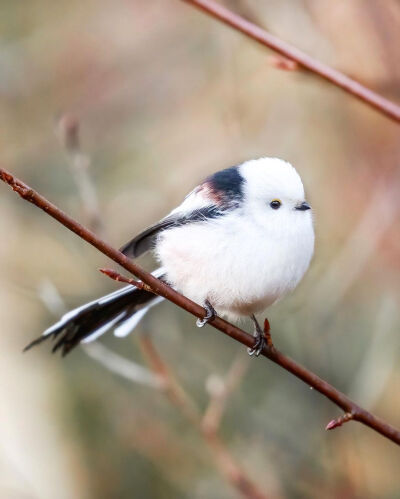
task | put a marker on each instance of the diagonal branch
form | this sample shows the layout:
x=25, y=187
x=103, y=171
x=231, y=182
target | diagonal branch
x=162, y=289
x=260, y=35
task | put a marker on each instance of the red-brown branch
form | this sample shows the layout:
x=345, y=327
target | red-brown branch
x=341, y=420
x=260, y=35
x=115, y=276
x=162, y=289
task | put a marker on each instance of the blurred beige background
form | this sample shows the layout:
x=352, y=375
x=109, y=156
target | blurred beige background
x=165, y=96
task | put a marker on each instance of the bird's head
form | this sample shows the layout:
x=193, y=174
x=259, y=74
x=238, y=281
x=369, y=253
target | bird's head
x=273, y=193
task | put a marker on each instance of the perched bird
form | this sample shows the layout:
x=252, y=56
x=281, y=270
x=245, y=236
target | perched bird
x=239, y=242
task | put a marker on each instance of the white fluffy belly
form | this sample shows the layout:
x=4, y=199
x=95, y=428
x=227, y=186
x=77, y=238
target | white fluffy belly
x=239, y=273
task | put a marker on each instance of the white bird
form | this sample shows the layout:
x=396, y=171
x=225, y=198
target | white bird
x=239, y=242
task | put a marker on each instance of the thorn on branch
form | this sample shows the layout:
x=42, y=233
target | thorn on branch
x=19, y=187
x=335, y=423
x=283, y=63
x=267, y=334
x=120, y=278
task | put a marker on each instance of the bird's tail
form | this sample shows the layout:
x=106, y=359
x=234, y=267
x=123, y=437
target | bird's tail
x=122, y=310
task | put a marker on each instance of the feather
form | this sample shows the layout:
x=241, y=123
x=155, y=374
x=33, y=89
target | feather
x=146, y=240
x=90, y=321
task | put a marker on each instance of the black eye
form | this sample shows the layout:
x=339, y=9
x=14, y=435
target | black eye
x=275, y=204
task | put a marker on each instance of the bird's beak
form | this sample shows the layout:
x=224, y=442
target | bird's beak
x=303, y=206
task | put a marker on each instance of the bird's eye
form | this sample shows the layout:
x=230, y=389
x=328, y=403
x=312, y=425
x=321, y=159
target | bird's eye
x=275, y=204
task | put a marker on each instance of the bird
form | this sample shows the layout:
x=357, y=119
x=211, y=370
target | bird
x=238, y=243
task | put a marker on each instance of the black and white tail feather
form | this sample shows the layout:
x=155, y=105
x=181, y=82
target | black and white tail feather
x=121, y=310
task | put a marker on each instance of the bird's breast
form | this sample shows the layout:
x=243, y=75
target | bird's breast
x=239, y=269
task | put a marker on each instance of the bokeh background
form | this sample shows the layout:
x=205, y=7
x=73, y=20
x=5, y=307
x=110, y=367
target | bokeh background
x=164, y=96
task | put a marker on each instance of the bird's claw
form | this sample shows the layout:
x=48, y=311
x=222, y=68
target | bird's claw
x=263, y=338
x=258, y=346
x=210, y=315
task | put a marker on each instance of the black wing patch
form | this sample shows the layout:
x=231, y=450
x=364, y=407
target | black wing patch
x=147, y=239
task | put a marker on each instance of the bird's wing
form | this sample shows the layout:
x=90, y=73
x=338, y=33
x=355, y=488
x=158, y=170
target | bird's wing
x=147, y=239
x=214, y=197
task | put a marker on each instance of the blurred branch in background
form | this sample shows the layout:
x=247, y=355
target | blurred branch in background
x=260, y=35
x=79, y=162
x=160, y=288
x=378, y=216
x=161, y=378
x=220, y=391
x=122, y=366
x=225, y=462
x=369, y=382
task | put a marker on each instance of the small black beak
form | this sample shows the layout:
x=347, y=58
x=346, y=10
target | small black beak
x=303, y=206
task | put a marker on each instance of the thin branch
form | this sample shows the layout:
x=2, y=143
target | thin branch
x=341, y=420
x=260, y=35
x=178, y=396
x=79, y=162
x=115, y=276
x=162, y=289
x=220, y=390
x=173, y=389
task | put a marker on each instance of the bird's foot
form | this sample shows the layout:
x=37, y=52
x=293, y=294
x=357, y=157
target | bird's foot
x=210, y=315
x=263, y=338
x=258, y=345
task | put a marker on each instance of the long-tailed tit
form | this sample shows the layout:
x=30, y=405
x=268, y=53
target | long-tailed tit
x=239, y=242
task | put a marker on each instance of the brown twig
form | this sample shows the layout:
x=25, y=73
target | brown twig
x=177, y=395
x=172, y=388
x=341, y=420
x=115, y=276
x=260, y=35
x=68, y=131
x=162, y=289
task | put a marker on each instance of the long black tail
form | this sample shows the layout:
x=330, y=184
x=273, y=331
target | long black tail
x=122, y=310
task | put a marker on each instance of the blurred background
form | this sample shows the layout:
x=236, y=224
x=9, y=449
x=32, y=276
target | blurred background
x=162, y=96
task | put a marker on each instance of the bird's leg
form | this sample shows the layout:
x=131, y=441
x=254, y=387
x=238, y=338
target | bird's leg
x=210, y=315
x=262, y=337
